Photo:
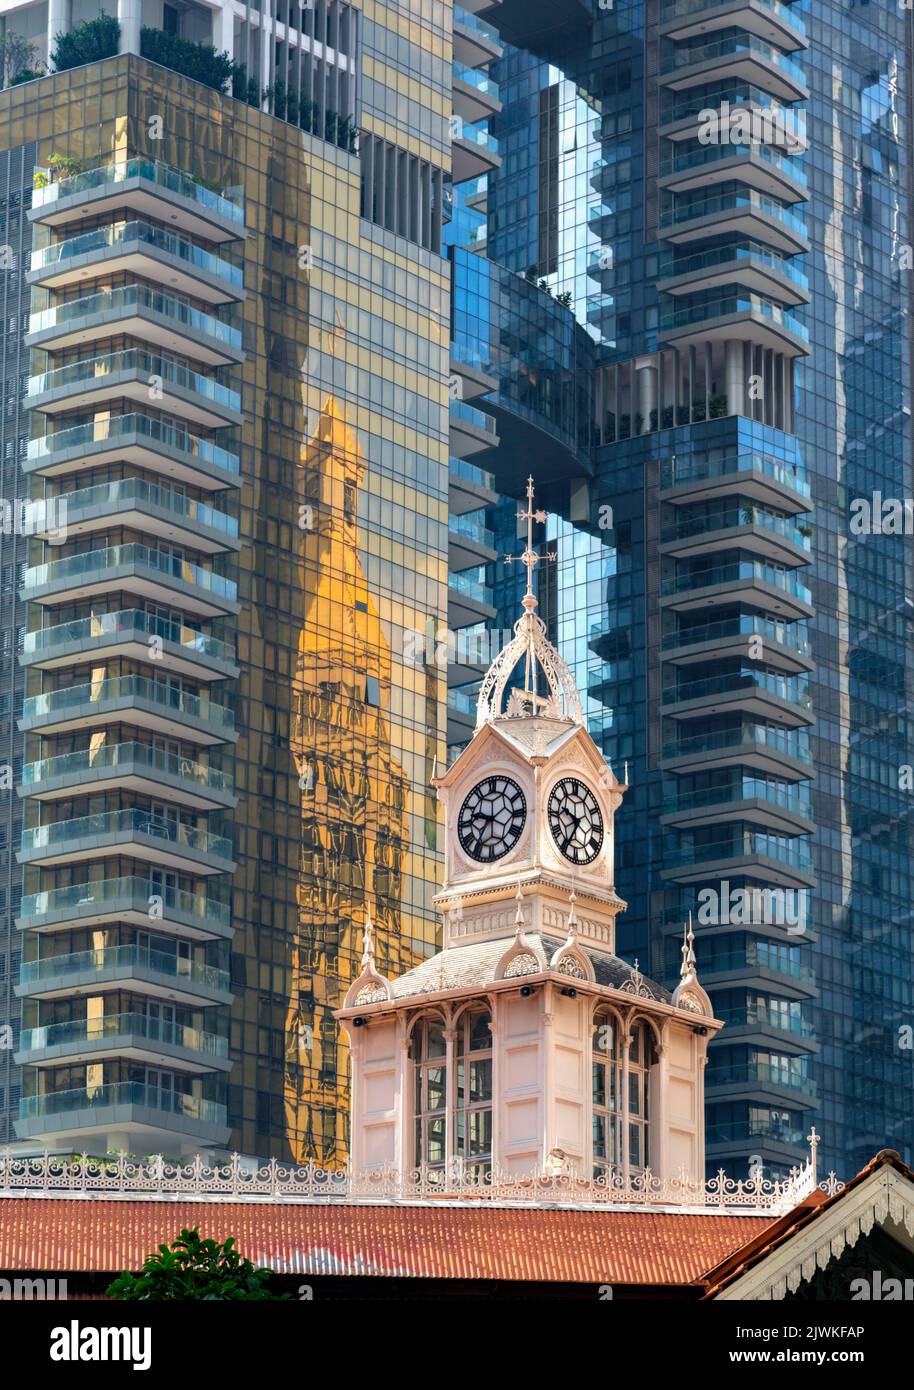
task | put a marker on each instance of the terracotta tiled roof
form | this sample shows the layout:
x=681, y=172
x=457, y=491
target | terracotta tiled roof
x=431, y=1241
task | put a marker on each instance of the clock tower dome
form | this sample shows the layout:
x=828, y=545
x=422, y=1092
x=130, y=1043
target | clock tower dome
x=526, y=1042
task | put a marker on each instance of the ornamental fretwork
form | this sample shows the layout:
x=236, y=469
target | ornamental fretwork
x=236, y=1180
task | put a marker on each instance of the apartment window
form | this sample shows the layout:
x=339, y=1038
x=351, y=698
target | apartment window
x=429, y=1052
x=473, y=1120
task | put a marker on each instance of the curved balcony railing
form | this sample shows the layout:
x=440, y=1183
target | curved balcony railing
x=110, y=429
x=126, y=755
x=786, y=635
x=467, y=525
x=106, y=958
x=709, y=522
x=786, y=798
x=676, y=471
x=101, y=893
x=680, y=316
x=687, y=207
x=104, y=823
x=724, y=1075
x=471, y=473
x=475, y=77
x=118, y=233
x=462, y=411
x=734, y=46
x=136, y=492
x=127, y=297
x=784, y=687
x=153, y=170
x=476, y=135
x=782, y=119
x=476, y=25
x=795, y=856
x=120, y=1093
x=113, y=557
x=782, y=741
x=707, y=154
x=751, y=1016
x=120, y=1029
x=756, y=956
x=744, y=569
x=679, y=9
x=753, y=1131
x=462, y=703
x=126, y=620
x=93, y=370
x=57, y=703
x=470, y=586
x=672, y=265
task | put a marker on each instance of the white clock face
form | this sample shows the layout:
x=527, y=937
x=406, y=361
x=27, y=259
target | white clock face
x=575, y=821
x=491, y=819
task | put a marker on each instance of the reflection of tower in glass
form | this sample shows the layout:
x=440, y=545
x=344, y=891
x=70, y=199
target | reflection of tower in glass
x=353, y=792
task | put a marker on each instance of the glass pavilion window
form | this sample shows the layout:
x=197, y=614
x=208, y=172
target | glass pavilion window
x=429, y=1051
x=608, y=1109
x=473, y=1120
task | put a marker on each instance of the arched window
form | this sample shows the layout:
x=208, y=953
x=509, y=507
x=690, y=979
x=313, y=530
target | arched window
x=429, y=1055
x=473, y=1120
x=608, y=1104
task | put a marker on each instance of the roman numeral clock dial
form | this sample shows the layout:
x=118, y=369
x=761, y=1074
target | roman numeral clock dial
x=575, y=821
x=491, y=819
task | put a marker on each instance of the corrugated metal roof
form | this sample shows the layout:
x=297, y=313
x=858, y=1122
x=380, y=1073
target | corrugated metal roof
x=431, y=1241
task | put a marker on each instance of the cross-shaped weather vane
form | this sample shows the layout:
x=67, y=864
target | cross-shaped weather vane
x=529, y=556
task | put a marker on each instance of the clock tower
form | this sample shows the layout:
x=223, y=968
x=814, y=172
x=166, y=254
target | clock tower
x=526, y=1044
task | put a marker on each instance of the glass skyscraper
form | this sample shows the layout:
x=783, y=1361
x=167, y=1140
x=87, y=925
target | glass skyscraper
x=695, y=314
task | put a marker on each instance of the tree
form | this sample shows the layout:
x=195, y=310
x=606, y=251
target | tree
x=88, y=43
x=194, y=1269
x=17, y=60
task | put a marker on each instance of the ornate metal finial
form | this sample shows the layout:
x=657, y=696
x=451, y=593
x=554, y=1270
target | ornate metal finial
x=519, y=913
x=548, y=687
x=812, y=1140
x=688, y=969
x=572, y=915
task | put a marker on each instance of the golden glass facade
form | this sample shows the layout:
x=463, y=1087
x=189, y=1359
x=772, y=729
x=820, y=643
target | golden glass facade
x=343, y=525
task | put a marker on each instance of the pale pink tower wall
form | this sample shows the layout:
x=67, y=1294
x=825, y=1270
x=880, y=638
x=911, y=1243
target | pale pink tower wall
x=529, y=906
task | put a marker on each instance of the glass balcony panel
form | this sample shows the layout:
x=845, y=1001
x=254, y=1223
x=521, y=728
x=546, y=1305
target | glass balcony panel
x=120, y=1093
x=119, y=822
x=101, y=892
x=120, y=1028
x=114, y=755
x=109, y=429
x=129, y=297
x=91, y=562
x=123, y=622
x=225, y=204
x=120, y=233
x=93, y=370
x=58, y=702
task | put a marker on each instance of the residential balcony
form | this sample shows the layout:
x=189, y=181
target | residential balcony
x=768, y=19
x=780, y=809
x=138, y=248
x=136, y=311
x=785, y=646
x=470, y=430
x=132, y=502
x=132, y=766
x=779, y=753
x=759, y=968
x=743, y=581
x=749, y=528
x=476, y=43
x=473, y=369
x=461, y=716
x=135, y=834
x=133, y=1036
x=158, y=974
x=788, y=1033
x=142, y=440
x=154, y=704
x=748, y=317
x=157, y=576
x=180, y=650
x=762, y=167
x=469, y=542
x=755, y=267
x=770, y=122
x=770, y=481
x=765, y=694
x=474, y=152
x=734, y=212
x=737, y=57
x=787, y=866
x=154, y=1115
x=145, y=186
x=130, y=898
x=474, y=94
x=469, y=487
x=756, y=1079
x=469, y=600
x=131, y=375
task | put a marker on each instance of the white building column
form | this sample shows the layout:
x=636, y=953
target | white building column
x=129, y=14
x=733, y=375
x=58, y=23
x=224, y=29
x=646, y=370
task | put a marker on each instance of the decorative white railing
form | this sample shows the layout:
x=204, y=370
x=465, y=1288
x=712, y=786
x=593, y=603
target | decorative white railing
x=121, y=1176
